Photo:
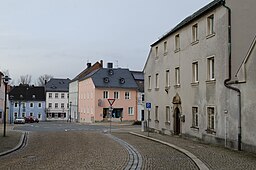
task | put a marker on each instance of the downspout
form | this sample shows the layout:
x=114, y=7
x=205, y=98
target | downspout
x=227, y=82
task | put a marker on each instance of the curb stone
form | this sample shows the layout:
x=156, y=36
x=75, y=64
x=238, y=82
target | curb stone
x=22, y=141
x=196, y=160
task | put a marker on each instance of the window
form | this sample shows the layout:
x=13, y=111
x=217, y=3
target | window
x=210, y=25
x=156, y=52
x=50, y=105
x=105, y=94
x=1, y=115
x=31, y=114
x=130, y=111
x=195, y=33
x=177, y=76
x=195, y=72
x=50, y=95
x=127, y=95
x=39, y=105
x=156, y=113
x=15, y=115
x=39, y=115
x=68, y=105
x=62, y=95
x=56, y=105
x=15, y=104
x=31, y=105
x=177, y=42
x=167, y=78
x=211, y=118
x=56, y=95
x=195, y=117
x=116, y=95
x=210, y=63
x=149, y=82
x=157, y=81
x=143, y=97
x=23, y=114
x=165, y=47
x=62, y=105
x=167, y=117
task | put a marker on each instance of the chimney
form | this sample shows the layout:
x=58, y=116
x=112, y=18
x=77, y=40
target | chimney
x=101, y=63
x=110, y=65
x=89, y=65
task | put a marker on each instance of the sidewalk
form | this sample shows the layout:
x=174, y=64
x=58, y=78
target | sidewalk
x=11, y=140
x=212, y=156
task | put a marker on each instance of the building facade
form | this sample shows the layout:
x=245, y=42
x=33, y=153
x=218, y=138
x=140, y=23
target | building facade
x=2, y=88
x=27, y=101
x=73, y=89
x=108, y=83
x=57, y=99
x=187, y=76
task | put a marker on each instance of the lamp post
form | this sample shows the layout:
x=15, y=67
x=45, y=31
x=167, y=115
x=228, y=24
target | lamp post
x=6, y=81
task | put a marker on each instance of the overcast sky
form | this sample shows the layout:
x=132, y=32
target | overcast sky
x=58, y=37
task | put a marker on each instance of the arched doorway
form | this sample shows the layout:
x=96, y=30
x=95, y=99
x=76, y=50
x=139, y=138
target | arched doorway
x=176, y=121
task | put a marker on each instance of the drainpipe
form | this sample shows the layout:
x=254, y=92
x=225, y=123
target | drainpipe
x=227, y=82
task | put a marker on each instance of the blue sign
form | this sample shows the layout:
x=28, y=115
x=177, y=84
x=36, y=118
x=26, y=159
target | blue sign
x=148, y=105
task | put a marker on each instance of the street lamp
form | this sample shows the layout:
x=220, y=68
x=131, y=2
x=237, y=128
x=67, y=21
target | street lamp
x=6, y=81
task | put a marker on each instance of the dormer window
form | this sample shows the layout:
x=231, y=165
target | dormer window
x=110, y=71
x=122, y=80
x=106, y=79
x=33, y=96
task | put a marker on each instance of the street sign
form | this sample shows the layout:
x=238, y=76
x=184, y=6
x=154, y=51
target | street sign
x=111, y=101
x=148, y=105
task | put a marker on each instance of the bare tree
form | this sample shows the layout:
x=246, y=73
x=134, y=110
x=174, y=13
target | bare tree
x=43, y=79
x=26, y=79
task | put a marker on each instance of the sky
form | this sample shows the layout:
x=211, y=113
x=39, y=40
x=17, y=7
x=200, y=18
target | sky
x=58, y=37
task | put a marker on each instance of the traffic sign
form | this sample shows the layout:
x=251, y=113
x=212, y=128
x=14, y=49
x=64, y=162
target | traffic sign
x=111, y=101
x=148, y=105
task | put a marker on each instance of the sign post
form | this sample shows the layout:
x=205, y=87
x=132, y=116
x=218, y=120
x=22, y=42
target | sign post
x=148, y=106
x=111, y=102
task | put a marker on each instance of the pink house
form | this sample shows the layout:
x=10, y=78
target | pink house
x=107, y=83
x=1, y=97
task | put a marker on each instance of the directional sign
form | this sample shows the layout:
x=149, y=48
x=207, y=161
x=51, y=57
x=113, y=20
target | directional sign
x=148, y=105
x=111, y=101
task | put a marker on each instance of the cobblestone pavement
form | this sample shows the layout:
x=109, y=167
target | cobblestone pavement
x=215, y=158
x=67, y=150
x=10, y=141
x=156, y=155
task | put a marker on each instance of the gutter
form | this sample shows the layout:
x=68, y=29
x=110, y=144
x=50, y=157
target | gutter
x=228, y=83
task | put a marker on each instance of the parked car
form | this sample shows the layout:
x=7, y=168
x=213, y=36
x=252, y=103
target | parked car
x=31, y=120
x=19, y=120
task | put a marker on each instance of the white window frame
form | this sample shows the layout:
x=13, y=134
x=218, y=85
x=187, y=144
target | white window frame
x=156, y=113
x=105, y=95
x=211, y=68
x=31, y=105
x=50, y=95
x=211, y=118
x=130, y=111
x=39, y=105
x=62, y=105
x=195, y=33
x=56, y=95
x=168, y=114
x=49, y=105
x=195, y=117
x=127, y=95
x=63, y=95
x=56, y=105
x=157, y=52
x=149, y=82
x=210, y=25
x=157, y=81
x=177, y=76
x=116, y=95
x=195, y=72
x=177, y=42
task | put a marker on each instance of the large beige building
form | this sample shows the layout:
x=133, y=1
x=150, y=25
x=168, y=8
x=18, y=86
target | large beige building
x=196, y=74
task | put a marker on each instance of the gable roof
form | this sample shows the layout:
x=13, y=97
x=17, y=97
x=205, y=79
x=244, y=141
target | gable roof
x=27, y=93
x=86, y=71
x=57, y=85
x=139, y=79
x=112, y=78
x=214, y=4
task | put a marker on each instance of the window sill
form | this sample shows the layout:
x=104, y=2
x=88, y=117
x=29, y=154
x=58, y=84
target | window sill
x=195, y=42
x=165, y=53
x=156, y=121
x=194, y=128
x=210, y=131
x=177, y=50
x=149, y=90
x=195, y=84
x=131, y=115
x=210, y=35
x=157, y=89
x=177, y=86
x=211, y=81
